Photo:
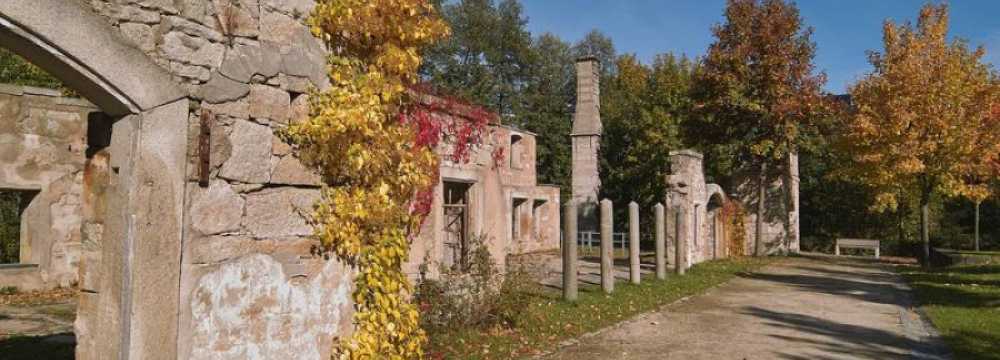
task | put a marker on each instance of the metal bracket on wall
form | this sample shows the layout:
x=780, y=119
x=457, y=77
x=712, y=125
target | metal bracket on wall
x=205, y=147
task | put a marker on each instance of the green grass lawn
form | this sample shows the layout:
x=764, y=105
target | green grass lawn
x=548, y=320
x=964, y=305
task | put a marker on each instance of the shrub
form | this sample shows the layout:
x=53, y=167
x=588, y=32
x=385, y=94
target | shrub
x=473, y=294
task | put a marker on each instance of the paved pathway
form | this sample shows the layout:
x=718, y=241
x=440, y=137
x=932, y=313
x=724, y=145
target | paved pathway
x=800, y=308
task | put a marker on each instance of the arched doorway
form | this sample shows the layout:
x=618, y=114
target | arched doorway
x=715, y=220
x=129, y=276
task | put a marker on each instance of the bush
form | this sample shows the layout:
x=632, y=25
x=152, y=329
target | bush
x=8, y=290
x=474, y=294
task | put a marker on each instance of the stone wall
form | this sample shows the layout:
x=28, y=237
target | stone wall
x=688, y=190
x=781, y=217
x=42, y=151
x=249, y=286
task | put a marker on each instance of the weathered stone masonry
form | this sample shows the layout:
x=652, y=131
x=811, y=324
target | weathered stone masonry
x=174, y=269
x=42, y=152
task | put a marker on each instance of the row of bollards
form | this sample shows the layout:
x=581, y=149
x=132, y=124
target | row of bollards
x=569, y=255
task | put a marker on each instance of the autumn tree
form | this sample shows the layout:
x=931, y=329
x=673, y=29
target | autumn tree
x=756, y=92
x=925, y=123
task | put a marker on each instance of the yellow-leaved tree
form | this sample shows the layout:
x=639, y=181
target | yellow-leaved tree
x=372, y=165
x=923, y=122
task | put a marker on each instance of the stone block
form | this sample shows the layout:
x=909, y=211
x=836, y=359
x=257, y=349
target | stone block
x=270, y=59
x=165, y=6
x=299, y=109
x=237, y=19
x=279, y=147
x=292, y=7
x=139, y=34
x=220, y=89
x=250, y=159
x=279, y=212
x=216, y=209
x=279, y=28
x=175, y=23
x=290, y=171
x=241, y=62
x=189, y=71
x=136, y=14
x=267, y=102
x=239, y=109
x=209, y=55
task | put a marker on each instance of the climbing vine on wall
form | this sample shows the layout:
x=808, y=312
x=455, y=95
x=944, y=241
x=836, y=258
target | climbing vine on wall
x=372, y=138
x=734, y=217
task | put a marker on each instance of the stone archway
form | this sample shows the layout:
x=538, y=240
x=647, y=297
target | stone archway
x=125, y=310
x=714, y=220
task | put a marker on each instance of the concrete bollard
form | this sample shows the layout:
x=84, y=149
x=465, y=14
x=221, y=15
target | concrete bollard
x=680, y=242
x=661, y=245
x=634, y=275
x=607, y=238
x=569, y=253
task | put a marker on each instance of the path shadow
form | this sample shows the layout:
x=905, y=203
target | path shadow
x=866, y=288
x=48, y=347
x=838, y=338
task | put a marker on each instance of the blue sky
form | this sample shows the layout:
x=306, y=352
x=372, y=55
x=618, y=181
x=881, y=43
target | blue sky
x=844, y=29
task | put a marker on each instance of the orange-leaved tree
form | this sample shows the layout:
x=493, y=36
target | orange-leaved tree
x=923, y=122
x=757, y=92
x=374, y=148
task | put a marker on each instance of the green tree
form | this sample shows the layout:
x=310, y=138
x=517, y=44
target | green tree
x=756, y=92
x=15, y=70
x=487, y=58
x=546, y=108
x=642, y=108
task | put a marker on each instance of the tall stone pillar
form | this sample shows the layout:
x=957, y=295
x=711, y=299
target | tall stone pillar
x=661, y=246
x=586, y=139
x=569, y=252
x=635, y=276
x=607, y=257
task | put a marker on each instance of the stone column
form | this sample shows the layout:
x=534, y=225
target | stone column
x=607, y=238
x=661, y=246
x=569, y=252
x=633, y=243
x=680, y=239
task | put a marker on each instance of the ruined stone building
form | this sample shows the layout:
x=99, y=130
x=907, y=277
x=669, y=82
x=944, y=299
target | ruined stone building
x=494, y=199
x=704, y=220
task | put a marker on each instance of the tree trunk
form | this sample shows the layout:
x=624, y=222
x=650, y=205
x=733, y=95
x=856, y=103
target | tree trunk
x=924, y=228
x=977, y=225
x=761, y=197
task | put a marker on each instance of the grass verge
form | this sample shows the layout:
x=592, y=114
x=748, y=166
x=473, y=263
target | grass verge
x=547, y=320
x=964, y=305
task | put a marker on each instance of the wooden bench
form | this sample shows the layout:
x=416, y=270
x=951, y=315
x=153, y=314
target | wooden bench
x=857, y=244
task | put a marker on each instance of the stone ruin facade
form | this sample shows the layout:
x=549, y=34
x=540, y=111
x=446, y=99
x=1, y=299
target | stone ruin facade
x=43, y=144
x=704, y=228
x=191, y=232
x=495, y=199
